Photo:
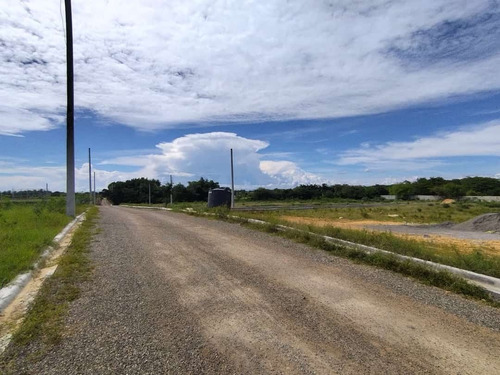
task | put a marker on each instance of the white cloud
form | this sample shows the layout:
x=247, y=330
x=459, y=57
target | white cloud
x=154, y=64
x=287, y=173
x=428, y=152
x=186, y=158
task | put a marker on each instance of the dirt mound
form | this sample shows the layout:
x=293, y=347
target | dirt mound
x=448, y=201
x=481, y=223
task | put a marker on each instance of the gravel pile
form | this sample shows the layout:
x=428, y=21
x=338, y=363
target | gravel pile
x=481, y=223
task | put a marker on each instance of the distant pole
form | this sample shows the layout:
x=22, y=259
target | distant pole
x=232, y=180
x=70, y=116
x=171, y=191
x=90, y=178
x=94, y=190
x=150, y=193
x=46, y=189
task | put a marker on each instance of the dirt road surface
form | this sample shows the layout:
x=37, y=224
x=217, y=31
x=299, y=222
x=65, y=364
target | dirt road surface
x=185, y=295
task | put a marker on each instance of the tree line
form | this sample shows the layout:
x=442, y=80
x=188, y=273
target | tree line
x=138, y=190
x=456, y=188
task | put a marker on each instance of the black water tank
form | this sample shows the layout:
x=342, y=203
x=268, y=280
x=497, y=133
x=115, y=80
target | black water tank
x=219, y=197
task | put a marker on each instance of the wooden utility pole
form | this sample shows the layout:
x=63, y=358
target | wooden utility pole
x=70, y=116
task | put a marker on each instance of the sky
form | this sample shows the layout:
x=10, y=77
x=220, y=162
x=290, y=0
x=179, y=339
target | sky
x=303, y=91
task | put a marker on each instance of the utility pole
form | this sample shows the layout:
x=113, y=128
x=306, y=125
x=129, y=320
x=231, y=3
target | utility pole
x=171, y=191
x=232, y=180
x=90, y=179
x=70, y=116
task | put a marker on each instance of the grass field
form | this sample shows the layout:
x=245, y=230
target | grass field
x=25, y=230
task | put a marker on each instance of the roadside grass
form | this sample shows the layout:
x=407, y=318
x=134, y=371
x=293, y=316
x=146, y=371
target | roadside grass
x=44, y=321
x=25, y=230
x=442, y=279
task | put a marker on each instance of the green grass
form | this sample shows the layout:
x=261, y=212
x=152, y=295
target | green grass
x=44, y=321
x=25, y=230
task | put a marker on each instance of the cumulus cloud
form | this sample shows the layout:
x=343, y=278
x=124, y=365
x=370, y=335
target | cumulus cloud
x=289, y=173
x=186, y=158
x=427, y=152
x=208, y=155
x=156, y=64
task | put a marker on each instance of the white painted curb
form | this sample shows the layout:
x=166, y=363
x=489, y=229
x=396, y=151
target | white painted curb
x=10, y=292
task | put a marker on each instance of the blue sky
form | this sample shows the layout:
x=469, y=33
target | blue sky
x=303, y=91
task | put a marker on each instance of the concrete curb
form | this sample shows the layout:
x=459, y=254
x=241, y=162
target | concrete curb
x=10, y=292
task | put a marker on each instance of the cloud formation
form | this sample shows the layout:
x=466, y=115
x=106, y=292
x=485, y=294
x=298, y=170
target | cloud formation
x=426, y=152
x=154, y=64
x=186, y=158
x=208, y=155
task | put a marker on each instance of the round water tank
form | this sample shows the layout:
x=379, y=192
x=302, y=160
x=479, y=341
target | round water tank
x=219, y=197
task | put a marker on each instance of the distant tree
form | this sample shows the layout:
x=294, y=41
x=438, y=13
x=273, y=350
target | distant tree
x=450, y=190
x=199, y=189
x=403, y=190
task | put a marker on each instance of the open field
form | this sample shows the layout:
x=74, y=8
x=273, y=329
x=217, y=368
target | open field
x=25, y=230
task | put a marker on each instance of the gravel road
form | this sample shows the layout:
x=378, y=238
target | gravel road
x=175, y=294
